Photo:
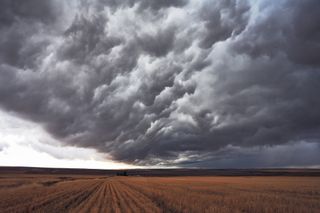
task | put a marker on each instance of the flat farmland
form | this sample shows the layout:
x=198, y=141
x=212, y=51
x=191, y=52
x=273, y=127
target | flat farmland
x=80, y=193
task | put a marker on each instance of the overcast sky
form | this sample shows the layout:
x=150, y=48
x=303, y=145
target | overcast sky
x=178, y=83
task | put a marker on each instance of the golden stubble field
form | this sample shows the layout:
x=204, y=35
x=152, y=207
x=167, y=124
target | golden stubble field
x=70, y=193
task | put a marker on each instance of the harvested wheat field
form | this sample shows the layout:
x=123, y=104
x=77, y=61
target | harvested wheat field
x=76, y=193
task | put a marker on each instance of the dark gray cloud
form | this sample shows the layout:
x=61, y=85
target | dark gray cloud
x=223, y=19
x=29, y=10
x=159, y=44
x=159, y=4
x=18, y=22
x=171, y=82
x=153, y=5
x=286, y=155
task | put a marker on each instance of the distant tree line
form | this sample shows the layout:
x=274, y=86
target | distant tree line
x=122, y=173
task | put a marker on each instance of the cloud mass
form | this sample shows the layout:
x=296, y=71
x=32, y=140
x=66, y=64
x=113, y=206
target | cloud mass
x=167, y=82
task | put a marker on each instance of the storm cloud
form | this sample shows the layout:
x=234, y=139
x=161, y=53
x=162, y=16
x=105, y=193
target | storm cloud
x=166, y=82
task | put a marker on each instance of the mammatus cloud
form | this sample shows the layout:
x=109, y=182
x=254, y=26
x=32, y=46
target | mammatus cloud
x=152, y=82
